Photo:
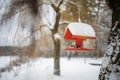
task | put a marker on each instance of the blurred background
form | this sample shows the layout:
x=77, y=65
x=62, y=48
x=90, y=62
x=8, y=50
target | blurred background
x=28, y=30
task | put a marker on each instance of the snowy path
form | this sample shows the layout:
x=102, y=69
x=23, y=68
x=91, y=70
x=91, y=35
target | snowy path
x=42, y=69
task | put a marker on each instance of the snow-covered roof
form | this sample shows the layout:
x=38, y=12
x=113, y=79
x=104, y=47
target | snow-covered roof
x=81, y=29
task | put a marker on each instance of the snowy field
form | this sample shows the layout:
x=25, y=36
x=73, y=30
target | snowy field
x=42, y=69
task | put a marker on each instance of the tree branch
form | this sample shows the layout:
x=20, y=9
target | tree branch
x=57, y=8
x=61, y=2
x=64, y=22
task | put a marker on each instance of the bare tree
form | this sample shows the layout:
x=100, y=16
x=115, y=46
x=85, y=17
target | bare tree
x=55, y=39
x=30, y=8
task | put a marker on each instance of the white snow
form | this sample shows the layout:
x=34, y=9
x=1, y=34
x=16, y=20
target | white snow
x=42, y=69
x=5, y=60
x=109, y=50
x=115, y=76
x=57, y=36
x=81, y=29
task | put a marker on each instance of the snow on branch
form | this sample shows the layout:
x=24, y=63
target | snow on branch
x=64, y=22
x=116, y=23
x=57, y=36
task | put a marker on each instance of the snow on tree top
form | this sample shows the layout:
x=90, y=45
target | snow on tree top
x=81, y=29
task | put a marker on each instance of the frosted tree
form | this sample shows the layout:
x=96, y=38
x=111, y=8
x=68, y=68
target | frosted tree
x=110, y=69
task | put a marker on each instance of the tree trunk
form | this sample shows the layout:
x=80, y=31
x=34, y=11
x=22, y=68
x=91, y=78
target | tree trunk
x=56, y=40
x=56, y=57
x=110, y=69
x=56, y=46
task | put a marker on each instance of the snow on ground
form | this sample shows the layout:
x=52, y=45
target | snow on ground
x=5, y=60
x=42, y=69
